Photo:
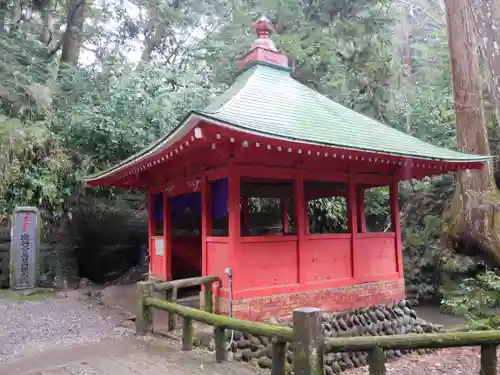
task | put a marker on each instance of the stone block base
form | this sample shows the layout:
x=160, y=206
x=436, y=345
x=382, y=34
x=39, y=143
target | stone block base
x=332, y=299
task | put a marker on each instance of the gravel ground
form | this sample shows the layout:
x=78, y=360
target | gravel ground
x=31, y=326
x=453, y=361
x=39, y=325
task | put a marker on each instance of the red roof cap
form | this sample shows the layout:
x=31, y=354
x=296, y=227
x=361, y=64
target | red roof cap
x=263, y=48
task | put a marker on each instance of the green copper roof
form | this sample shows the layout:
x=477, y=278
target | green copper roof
x=266, y=100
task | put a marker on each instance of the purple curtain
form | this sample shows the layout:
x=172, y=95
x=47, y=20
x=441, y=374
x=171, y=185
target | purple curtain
x=158, y=207
x=219, y=190
x=178, y=204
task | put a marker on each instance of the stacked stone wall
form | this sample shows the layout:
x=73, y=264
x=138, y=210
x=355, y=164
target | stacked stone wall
x=4, y=256
x=397, y=318
x=101, y=235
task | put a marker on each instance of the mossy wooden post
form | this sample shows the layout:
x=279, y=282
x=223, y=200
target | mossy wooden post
x=376, y=361
x=171, y=295
x=144, y=317
x=209, y=304
x=308, y=342
x=488, y=360
x=220, y=344
x=279, y=352
x=187, y=334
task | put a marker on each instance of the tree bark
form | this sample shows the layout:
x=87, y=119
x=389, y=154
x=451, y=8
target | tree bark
x=157, y=29
x=153, y=35
x=403, y=55
x=472, y=136
x=16, y=13
x=3, y=15
x=472, y=217
x=485, y=17
x=73, y=36
x=48, y=23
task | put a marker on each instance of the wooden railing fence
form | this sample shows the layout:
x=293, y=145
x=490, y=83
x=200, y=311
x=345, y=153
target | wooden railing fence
x=169, y=290
x=307, y=337
x=376, y=345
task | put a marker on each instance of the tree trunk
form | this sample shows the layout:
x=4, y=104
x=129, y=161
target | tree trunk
x=48, y=23
x=73, y=35
x=156, y=29
x=3, y=15
x=471, y=131
x=154, y=33
x=485, y=16
x=472, y=217
x=16, y=11
x=406, y=55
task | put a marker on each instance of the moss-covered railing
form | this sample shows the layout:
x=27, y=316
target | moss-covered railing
x=487, y=340
x=144, y=324
x=307, y=337
x=170, y=290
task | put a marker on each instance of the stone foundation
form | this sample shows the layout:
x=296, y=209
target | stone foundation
x=332, y=299
x=395, y=319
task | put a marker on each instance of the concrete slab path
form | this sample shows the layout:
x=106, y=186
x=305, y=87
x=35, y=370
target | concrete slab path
x=130, y=356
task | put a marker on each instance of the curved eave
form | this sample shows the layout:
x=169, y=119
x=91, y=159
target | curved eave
x=164, y=148
x=143, y=159
x=464, y=158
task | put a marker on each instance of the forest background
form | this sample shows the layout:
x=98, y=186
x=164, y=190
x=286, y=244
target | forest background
x=85, y=84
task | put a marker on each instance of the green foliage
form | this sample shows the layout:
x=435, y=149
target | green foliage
x=328, y=215
x=54, y=130
x=377, y=209
x=475, y=297
x=114, y=114
x=422, y=206
x=35, y=168
x=341, y=51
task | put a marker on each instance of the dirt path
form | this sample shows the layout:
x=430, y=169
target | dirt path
x=453, y=361
x=131, y=356
x=40, y=322
x=72, y=334
x=76, y=333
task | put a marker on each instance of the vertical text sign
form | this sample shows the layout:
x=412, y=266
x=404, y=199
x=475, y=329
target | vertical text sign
x=24, y=248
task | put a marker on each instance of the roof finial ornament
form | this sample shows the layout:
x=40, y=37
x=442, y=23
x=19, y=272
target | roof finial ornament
x=263, y=28
x=263, y=48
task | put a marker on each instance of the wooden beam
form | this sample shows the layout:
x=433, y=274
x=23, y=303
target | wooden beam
x=244, y=215
x=234, y=212
x=353, y=222
x=413, y=341
x=206, y=222
x=150, y=230
x=167, y=235
x=301, y=224
x=396, y=225
x=361, y=209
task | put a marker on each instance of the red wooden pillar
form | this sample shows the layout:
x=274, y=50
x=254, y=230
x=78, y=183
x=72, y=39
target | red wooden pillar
x=301, y=224
x=234, y=216
x=206, y=222
x=284, y=213
x=352, y=205
x=361, y=210
x=396, y=225
x=150, y=231
x=244, y=211
x=167, y=235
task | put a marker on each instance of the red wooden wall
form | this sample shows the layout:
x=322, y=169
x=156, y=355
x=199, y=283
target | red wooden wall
x=300, y=262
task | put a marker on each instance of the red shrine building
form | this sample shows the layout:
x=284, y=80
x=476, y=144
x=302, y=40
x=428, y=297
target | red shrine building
x=269, y=141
